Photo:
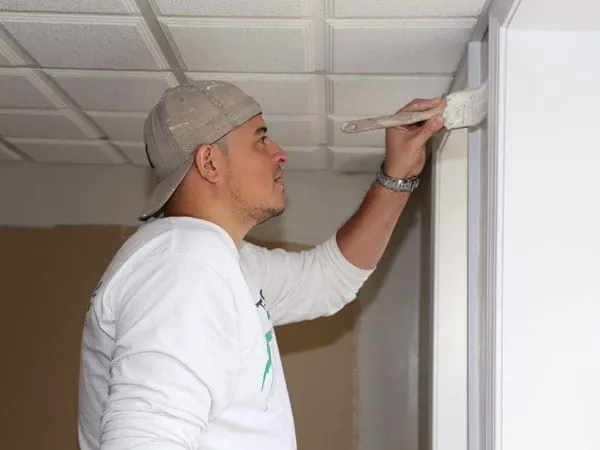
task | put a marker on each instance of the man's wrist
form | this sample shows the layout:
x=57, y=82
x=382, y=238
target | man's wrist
x=401, y=174
x=407, y=184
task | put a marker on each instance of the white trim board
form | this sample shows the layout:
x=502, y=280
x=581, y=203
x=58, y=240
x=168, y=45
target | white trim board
x=449, y=295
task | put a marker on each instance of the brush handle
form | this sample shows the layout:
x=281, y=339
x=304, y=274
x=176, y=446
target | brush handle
x=390, y=120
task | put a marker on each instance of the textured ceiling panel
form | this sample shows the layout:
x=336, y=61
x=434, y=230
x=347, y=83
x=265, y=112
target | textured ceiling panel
x=363, y=95
x=114, y=91
x=68, y=151
x=6, y=154
x=4, y=61
x=135, y=152
x=243, y=45
x=277, y=94
x=404, y=8
x=78, y=6
x=306, y=158
x=403, y=47
x=77, y=78
x=356, y=159
x=121, y=126
x=10, y=54
x=239, y=8
x=294, y=130
x=44, y=124
x=22, y=88
x=105, y=42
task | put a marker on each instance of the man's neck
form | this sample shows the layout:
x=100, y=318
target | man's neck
x=235, y=228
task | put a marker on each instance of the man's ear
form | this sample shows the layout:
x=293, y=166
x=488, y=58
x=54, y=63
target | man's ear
x=207, y=161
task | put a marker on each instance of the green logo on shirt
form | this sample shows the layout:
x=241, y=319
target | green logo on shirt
x=269, y=364
x=268, y=338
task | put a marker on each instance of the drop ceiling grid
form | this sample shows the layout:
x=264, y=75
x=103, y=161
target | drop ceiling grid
x=272, y=51
x=311, y=63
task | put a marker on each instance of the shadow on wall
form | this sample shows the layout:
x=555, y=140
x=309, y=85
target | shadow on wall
x=408, y=221
x=425, y=312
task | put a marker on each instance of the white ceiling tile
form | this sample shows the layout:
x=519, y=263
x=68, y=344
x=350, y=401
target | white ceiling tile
x=405, y=8
x=69, y=151
x=375, y=95
x=71, y=6
x=277, y=94
x=78, y=41
x=374, y=138
x=295, y=131
x=243, y=45
x=135, y=151
x=4, y=61
x=237, y=8
x=10, y=54
x=356, y=160
x=398, y=47
x=306, y=158
x=44, y=124
x=23, y=88
x=114, y=91
x=377, y=55
x=6, y=154
x=300, y=158
x=285, y=130
x=128, y=126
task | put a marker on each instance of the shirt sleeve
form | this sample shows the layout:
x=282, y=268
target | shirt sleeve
x=176, y=355
x=303, y=285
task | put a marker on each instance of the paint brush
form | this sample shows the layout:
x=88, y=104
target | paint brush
x=463, y=109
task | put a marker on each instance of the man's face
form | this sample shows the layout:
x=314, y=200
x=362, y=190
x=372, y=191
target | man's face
x=255, y=176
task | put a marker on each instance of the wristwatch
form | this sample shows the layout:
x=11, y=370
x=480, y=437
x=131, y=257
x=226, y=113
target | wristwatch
x=396, y=184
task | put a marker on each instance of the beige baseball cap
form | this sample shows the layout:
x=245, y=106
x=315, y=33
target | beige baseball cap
x=184, y=118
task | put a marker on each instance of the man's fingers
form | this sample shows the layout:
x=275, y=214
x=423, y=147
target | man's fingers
x=429, y=128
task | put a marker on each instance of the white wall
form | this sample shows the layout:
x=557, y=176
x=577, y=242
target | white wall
x=551, y=209
x=46, y=195
x=388, y=342
x=546, y=288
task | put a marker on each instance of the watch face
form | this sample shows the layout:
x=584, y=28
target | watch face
x=395, y=184
x=407, y=186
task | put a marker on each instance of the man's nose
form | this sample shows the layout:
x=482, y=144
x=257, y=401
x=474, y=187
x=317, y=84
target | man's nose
x=279, y=154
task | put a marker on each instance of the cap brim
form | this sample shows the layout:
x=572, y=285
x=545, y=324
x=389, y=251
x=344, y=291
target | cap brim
x=164, y=190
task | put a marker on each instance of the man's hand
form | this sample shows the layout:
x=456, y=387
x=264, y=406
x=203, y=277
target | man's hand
x=405, y=146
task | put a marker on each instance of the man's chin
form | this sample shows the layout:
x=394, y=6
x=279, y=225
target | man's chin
x=270, y=213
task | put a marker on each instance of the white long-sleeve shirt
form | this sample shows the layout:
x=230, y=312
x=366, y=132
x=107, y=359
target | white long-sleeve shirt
x=178, y=348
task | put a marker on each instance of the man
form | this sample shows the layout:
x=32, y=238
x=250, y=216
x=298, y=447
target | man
x=178, y=348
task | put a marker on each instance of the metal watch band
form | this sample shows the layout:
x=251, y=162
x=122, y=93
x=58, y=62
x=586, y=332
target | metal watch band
x=396, y=184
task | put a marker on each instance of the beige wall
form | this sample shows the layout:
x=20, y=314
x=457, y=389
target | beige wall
x=47, y=277
x=375, y=402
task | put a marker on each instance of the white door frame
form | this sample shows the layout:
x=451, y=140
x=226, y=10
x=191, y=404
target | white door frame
x=483, y=363
x=486, y=293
